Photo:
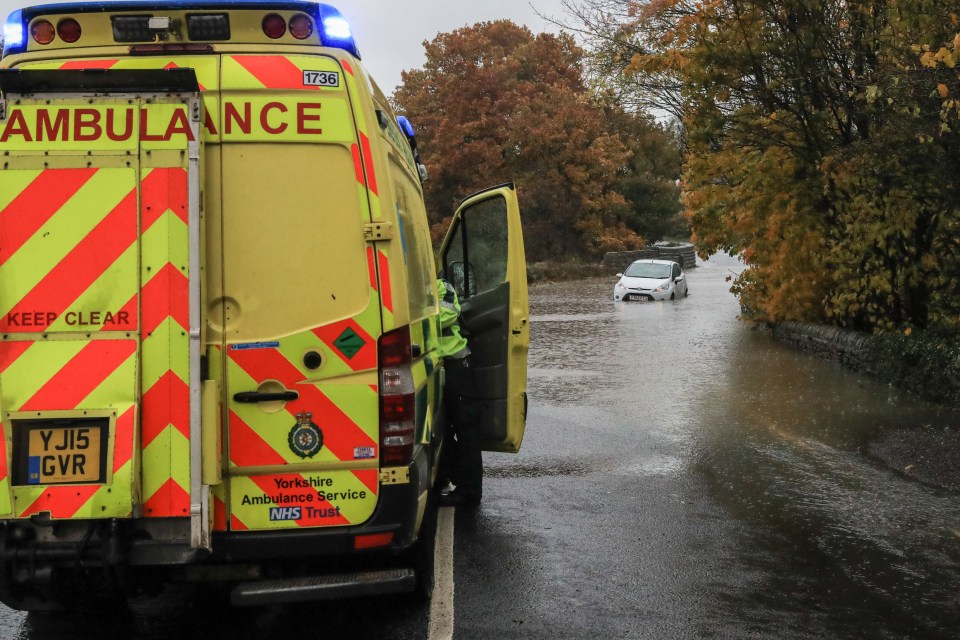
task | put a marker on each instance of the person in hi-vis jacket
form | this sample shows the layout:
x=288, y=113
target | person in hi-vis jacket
x=464, y=464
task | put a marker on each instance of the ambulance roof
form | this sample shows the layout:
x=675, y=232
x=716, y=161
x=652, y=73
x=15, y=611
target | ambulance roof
x=336, y=30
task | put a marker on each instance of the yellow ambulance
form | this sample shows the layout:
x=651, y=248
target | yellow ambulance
x=218, y=351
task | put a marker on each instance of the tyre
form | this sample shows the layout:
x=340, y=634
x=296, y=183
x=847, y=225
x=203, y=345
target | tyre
x=72, y=593
x=424, y=552
x=673, y=296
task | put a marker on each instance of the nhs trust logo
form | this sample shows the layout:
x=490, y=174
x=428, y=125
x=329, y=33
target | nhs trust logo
x=284, y=513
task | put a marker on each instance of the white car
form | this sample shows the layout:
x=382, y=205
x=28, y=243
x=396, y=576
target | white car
x=651, y=280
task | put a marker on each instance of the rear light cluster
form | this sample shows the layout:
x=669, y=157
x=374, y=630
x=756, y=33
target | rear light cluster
x=275, y=26
x=68, y=29
x=397, y=398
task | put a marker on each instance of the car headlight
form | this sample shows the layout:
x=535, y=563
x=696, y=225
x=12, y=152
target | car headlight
x=621, y=286
x=663, y=287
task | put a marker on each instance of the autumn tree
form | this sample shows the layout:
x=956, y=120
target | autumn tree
x=819, y=145
x=495, y=103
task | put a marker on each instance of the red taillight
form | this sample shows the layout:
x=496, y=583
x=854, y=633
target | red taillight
x=42, y=32
x=399, y=407
x=301, y=27
x=371, y=540
x=395, y=348
x=69, y=30
x=397, y=398
x=274, y=26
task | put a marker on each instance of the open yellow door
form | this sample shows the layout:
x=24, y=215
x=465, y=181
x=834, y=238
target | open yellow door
x=482, y=256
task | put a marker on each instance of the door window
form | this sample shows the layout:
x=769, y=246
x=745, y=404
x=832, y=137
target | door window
x=476, y=259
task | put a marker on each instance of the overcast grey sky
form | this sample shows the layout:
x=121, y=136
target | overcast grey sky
x=390, y=34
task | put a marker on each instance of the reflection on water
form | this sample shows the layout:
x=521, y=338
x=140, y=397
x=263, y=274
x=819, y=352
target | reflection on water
x=843, y=533
x=829, y=542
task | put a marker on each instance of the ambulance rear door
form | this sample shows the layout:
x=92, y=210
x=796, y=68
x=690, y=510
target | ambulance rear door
x=100, y=297
x=483, y=257
x=299, y=313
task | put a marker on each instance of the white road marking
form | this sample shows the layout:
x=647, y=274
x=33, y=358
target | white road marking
x=441, y=606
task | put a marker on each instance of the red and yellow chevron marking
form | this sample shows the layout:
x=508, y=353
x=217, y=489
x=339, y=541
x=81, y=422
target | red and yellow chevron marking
x=85, y=501
x=165, y=408
x=265, y=99
x=68, y=264
x=6, y=494
x=86, y=64
x=346, y=414
x=68, y=250
x=68, y=255
x=207, y=69
x=274, y=72
x=362, y=360
x=379, y=267
x=362, y=153
x=68, y=375
x=365, y=168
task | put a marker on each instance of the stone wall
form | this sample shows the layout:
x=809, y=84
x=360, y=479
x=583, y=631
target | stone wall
x=685, y=254
x=929, y=367
x=848, y=347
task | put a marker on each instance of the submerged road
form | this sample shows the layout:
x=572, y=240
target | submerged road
x=683, y=476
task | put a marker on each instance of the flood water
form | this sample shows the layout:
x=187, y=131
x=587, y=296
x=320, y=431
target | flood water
x=683, y=475
x=794, y=529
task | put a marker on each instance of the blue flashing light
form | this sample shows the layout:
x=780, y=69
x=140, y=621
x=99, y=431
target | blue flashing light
x=405, y=126
x=336, y=28
x=14, y=33
x=335, y=31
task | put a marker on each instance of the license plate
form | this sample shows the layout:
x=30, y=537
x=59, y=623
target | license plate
x=637, y=296
x=58, y=454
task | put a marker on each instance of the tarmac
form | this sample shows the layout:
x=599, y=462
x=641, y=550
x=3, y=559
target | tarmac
x=928, y=454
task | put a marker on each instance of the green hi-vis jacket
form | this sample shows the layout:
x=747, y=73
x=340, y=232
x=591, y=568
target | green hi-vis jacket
x=452, y=344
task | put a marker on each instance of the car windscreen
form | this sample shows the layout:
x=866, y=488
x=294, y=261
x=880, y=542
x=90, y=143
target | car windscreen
x=647, y=270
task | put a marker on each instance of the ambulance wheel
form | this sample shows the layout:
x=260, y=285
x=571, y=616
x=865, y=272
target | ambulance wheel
x=46, y=603
x=423, y=553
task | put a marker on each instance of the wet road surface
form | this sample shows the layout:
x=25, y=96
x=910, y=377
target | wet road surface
x=683, y=476
x=687, y=476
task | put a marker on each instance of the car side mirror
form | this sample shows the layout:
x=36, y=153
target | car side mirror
x=458, y=272
x=619, y=275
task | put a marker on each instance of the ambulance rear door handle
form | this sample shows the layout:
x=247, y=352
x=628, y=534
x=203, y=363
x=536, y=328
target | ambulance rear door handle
x=250, y=397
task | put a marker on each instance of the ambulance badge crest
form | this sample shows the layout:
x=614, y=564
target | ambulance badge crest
x=305, y=437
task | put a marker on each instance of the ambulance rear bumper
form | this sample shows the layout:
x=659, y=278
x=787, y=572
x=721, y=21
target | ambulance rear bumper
x=325, y=587
x=396, y=513
x=165, y=541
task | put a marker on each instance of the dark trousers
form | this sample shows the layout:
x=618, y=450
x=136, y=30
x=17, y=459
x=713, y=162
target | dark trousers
x=464, y=463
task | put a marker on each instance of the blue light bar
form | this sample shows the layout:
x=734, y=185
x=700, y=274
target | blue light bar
x=405, y=126
x=14, y=32
x=334, y=32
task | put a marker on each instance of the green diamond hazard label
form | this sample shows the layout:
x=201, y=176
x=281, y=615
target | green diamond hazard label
x=349, y=343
